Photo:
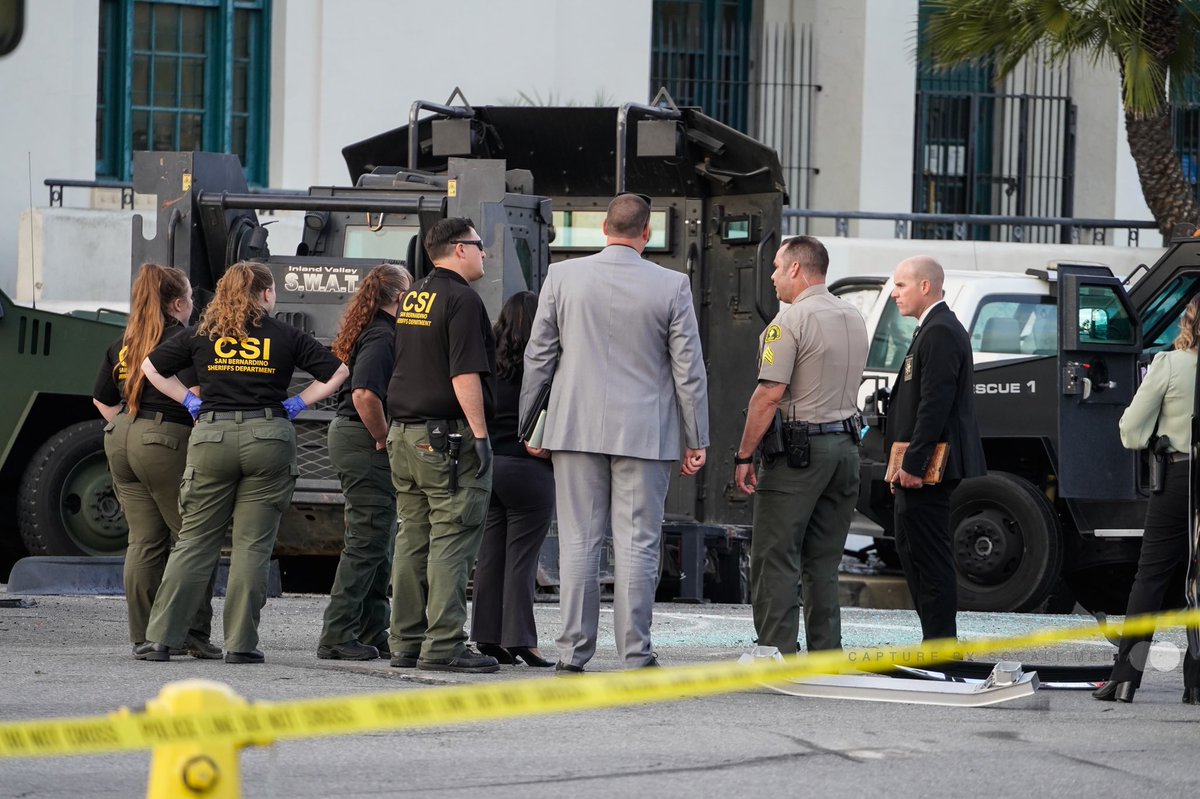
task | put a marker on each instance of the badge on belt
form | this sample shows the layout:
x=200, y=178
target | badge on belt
x=908, y=368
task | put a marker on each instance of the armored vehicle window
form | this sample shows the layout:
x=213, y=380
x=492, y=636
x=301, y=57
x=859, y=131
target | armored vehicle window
x=1160, y=321
x=387, y=242
x=1102, y=317
x=581, y=230
x=1016, y=324
x=893, y=334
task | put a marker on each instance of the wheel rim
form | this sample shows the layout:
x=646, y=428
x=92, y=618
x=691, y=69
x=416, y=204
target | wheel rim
x=91, y=514
x=988, y=546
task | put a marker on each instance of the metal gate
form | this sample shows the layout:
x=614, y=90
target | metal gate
x=704, y=53
x=1008, y=152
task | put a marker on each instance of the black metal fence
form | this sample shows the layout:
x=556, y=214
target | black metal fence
x=983, y=146
x=706, y=54
x=784, y=103
x=965, y=227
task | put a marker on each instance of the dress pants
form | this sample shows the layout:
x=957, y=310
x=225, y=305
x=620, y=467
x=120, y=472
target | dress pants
x=1162, y=568
x=241, y=472
x=594, y=490
x=438, y=539
x=358, y=605
x=522, y=505
x=801, y=519
x=923, y=543
x=146, y=458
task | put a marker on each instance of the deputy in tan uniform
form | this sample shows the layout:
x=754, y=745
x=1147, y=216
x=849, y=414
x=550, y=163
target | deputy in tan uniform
x=811, y=360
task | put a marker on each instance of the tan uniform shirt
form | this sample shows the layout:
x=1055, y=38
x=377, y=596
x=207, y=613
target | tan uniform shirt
x=818, y=347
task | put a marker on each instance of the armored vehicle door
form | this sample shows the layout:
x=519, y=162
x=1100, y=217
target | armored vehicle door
x=1099, y=341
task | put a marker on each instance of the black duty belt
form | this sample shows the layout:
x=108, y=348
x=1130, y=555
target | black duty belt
x=454, y=424
x=159, y=416
x=237, y=416
x=1177, y=457
x=822, y=428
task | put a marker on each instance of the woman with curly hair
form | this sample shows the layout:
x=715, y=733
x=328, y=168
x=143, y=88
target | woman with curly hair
x=522, y=505
x=146, y=444
x=241, y=460
x=357, y=619
x=1163, y=402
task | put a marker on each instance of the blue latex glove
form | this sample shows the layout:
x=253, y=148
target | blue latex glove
x=293, y=406
x=192, y=403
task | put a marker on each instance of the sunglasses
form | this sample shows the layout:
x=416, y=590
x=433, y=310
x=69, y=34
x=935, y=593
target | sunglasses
x=474, y=243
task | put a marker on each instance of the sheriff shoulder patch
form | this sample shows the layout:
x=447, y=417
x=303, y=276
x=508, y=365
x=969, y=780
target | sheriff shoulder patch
x=773, y=334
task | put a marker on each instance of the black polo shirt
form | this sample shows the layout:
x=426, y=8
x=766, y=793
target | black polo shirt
x=371, y=360
x=248, y=374
x=110, y=382
x=442, y=331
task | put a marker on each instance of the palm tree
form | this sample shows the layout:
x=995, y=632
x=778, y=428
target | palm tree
x=1153, y=43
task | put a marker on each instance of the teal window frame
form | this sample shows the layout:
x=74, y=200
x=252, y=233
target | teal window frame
x=233, y=114
x=700, y=50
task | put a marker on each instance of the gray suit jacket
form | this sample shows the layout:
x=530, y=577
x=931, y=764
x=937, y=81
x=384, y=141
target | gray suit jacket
x=616, y=337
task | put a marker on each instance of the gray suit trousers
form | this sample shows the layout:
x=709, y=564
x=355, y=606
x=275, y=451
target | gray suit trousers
x=594, y=490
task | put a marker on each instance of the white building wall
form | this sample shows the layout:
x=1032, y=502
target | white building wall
x=338, y=79
x=340, y=72
x=48, y=113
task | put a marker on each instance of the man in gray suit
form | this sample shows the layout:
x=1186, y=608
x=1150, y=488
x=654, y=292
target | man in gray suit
x=616, y=337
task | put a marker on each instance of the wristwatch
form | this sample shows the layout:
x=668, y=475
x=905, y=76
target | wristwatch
x=742, y=461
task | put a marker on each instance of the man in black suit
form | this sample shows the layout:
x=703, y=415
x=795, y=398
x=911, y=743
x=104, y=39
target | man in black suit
x=932, y=401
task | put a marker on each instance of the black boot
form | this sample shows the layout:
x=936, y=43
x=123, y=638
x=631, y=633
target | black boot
x=1191, y=696
x=1115, y=691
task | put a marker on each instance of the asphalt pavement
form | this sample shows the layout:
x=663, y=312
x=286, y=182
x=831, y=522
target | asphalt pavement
x=67, y=657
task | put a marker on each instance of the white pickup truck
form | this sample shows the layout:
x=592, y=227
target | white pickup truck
x=1061, y=499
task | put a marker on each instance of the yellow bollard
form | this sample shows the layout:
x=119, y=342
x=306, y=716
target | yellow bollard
x=194, y=769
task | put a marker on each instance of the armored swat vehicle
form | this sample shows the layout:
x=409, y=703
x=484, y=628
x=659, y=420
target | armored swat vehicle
x=536, y=181
x=1062, y=500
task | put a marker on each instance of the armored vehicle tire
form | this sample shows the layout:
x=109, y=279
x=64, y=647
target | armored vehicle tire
x=1006, y=543
x=66, y=501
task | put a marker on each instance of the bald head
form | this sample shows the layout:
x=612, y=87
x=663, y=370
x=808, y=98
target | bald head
x=628, y=216
x=918, y=285
x=922, y=267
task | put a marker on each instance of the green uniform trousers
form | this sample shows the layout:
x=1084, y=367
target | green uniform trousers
x=358, y=604
x=146, y=458
x=801, y=519
x=242, y=472
x=439, y=537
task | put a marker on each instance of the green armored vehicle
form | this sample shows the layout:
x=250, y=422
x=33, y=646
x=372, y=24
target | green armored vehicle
x=56, y=491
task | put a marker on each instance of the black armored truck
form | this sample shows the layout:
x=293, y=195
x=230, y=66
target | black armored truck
x=1060, y=512
x=536, y=182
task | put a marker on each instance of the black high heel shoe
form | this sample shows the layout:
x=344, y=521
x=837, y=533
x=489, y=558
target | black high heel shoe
x=1114, y=691
x=502, y=655
x=526, y=655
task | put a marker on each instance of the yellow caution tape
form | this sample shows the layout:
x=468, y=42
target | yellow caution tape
x=264, y=722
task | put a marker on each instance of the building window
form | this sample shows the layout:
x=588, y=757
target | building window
x=700, y=50
x=182, y=75
x=984, y=146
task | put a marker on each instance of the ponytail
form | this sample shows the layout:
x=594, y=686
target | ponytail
x=155, y=288
x=235, y=308
x=382, y=286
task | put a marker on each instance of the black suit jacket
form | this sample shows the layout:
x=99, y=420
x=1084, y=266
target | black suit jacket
x=933, y=399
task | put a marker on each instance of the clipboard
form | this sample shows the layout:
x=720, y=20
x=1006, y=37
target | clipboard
x=534, y=423
x=937, y=464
